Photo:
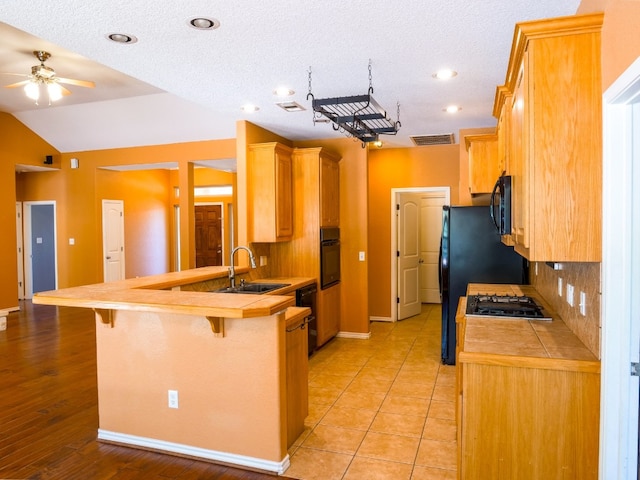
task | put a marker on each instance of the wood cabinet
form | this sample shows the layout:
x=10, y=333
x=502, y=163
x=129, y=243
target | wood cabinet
x=328, y=305
x=484, y=164
x=297, y=372
x=528, y=401
x=316, y=202
x=329, y=190
x=269, y=192
x=555, y=147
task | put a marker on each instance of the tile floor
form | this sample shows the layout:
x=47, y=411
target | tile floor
x=382, y=408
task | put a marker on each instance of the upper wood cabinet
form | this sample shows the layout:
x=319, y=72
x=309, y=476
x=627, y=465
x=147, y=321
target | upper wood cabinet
x=329, y=190
x=269, y=192
x=555, y=141
x=484, y=164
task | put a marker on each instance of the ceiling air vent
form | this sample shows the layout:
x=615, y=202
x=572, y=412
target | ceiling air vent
x=291, y=106
x=440, y=139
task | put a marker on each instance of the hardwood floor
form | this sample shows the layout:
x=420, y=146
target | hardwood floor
x=49, y=407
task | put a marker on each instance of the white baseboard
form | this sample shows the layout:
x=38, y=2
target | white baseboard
x=359, y=336
x=195, y=452
x=380, y=319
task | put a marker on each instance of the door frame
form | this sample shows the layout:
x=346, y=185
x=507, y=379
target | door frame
x=395, y=192
x=620, y=315
x=20, y=249
x=28, y=251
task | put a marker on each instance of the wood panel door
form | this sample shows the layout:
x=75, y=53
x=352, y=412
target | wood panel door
x=208, y=235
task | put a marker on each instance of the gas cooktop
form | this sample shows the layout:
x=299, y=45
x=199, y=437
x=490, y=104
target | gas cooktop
x=507, y=306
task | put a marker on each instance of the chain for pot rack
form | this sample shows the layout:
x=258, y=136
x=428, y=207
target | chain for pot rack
x=357, y=116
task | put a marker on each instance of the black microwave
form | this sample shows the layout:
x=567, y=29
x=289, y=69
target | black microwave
x=500, y=205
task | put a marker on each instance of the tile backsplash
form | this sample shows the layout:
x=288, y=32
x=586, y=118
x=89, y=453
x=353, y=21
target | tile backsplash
x=584, y=277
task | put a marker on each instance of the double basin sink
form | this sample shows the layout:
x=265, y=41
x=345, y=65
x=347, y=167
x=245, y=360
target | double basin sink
x=256, y=288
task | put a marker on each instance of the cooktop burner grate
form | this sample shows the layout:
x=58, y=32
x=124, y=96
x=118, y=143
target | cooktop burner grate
x=505, y=306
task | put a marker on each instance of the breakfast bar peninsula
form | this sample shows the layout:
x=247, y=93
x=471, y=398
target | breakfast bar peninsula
x=189, y=371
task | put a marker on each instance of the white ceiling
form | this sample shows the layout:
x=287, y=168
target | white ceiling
x=178, y=84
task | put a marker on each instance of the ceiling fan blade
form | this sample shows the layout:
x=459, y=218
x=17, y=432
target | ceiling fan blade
x=65, y=91
x=16, y=74
x=18, y=84
x=79, y=83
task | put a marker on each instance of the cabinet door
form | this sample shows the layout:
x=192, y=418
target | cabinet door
x=484, y=165
x=269, y=193
x=328, y=315
x=329, y=192
x=518, y=160
x=284, y=195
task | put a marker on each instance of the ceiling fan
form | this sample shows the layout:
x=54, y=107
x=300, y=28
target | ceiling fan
x=45, y=77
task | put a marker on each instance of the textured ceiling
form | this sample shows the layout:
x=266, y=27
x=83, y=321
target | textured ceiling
x=179, y=84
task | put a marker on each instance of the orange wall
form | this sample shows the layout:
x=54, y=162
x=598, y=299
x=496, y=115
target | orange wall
x=433, y=166
x=79, y=193
x=147, y=213
x=18, y=145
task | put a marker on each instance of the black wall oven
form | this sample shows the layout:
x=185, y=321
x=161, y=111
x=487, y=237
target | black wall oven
x=329, y=256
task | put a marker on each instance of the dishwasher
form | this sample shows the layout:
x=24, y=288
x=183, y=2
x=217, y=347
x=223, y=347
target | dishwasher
x=306, y=297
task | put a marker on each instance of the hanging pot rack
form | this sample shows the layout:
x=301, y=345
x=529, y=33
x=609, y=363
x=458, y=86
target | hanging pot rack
x=358, y=116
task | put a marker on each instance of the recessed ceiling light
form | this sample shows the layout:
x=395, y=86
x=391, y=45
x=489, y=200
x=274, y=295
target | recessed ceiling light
x=445, y=74
x=283, y=92
x=122, y=38
x=452, y=109
x=204, y=23
x=249, y=108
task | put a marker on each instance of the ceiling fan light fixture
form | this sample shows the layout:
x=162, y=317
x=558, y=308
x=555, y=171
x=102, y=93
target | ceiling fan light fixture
x=32, y=90
x=204, y=23
x=55, y=91
x=122, y=38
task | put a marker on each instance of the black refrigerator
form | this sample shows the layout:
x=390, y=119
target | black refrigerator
x=471, y=252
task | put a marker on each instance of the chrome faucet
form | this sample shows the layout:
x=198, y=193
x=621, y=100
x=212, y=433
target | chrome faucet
x=232, y=270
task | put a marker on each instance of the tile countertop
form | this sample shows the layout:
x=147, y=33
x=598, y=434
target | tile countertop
x=161, y=293
x=518, y=342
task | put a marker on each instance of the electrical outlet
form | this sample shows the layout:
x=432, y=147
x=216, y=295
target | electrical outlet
x=361, y=256
x=570, y=294
x=583, y=304
x=173, y=399
x=560, y=286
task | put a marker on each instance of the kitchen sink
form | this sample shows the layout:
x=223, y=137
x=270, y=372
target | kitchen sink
x=253, y=287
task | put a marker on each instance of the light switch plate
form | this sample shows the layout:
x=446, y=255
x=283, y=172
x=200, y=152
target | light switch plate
x=361, y=256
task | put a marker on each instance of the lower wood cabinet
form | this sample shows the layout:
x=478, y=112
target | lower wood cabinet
x=328, y=315
x=523, y=416
x=297, y=361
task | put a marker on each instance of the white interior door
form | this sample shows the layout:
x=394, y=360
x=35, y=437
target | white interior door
x=408, y=209
x=113, y=239
x=431, y=204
